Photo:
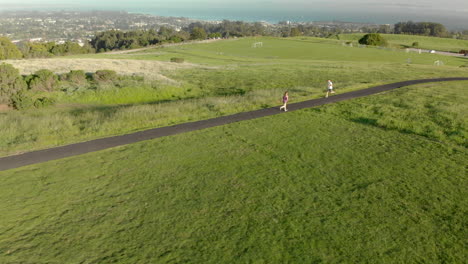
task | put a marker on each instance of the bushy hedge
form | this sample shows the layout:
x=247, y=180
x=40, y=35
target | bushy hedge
x=43, y=80
x=11, y=83
x=35, y=90
x=373, y=39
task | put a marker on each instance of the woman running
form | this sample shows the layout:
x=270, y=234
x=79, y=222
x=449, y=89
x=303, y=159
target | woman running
x=329, y=88
x=285, y=101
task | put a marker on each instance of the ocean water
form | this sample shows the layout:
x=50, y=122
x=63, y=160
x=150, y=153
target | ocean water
x=263, y=11
x=273, y=15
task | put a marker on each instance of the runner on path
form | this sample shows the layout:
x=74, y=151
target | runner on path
x=329, y=88
x=285, y=101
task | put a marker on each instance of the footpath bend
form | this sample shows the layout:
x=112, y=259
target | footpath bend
x=28, y=158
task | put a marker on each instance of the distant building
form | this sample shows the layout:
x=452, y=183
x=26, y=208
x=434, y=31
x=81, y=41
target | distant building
x=35, y=39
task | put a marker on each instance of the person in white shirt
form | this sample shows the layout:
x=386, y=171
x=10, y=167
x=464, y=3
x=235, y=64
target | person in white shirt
x=330, y=88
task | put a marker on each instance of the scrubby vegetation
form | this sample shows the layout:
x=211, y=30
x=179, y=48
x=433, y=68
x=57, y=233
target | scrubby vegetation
x=42, y=87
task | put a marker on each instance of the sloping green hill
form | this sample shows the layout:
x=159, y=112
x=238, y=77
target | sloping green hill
x=354, y=182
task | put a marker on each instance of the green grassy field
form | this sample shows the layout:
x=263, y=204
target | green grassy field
x=235, y=77
x=441, y=44
x=360, y=181
x=294, y=50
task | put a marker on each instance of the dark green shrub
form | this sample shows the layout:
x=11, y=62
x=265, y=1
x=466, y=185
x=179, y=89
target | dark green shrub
x=73, y=81
x=43, y=80
x=177, y=60
x=373, y=39
x=105, y=76
x=43, y=102
x=11, y=83
x=415, y=44
x=77, y=77
x=20, y=101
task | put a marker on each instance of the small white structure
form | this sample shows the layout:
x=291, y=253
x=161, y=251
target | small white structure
x=432, y=51
x=419, y=51
x=257, y=45
x=35, y=39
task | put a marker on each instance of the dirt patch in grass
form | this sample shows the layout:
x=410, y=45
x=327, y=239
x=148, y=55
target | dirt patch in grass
x=4, y=107
x=149, y=69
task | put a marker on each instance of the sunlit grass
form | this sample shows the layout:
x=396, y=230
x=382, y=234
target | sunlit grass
x=301, y=187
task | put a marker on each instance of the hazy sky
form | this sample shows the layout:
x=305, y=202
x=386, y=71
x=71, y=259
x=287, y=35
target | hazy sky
x=425, y=4
x=416, y=10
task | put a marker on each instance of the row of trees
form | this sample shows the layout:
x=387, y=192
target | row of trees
x=50, y=49
x=421, y=28
x=116, y=39
x=8, y=50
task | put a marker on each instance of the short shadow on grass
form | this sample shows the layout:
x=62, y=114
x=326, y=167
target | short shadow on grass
x=374, y=123
x=463, y=59
x=108, y=111
x=365, y=121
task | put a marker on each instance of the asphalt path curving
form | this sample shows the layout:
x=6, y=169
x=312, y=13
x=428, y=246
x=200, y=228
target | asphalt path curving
x=39, y=156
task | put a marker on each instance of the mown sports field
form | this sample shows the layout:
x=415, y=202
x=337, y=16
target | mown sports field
x=379, y=179
x=217, y=78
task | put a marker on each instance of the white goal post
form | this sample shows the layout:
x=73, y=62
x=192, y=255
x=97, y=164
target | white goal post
x=257, y=45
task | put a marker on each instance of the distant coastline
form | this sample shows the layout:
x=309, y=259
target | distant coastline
x=271, y=16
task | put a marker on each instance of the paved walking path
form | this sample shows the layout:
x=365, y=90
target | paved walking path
x=39, y=156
